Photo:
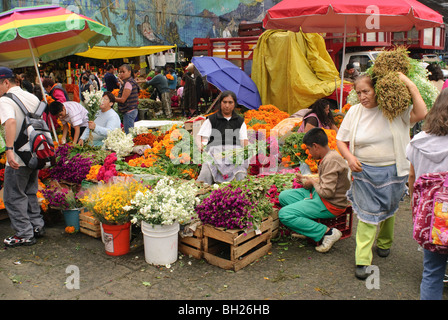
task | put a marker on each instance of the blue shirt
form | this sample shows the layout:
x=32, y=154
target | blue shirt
x=172, y=84
x=111, y=82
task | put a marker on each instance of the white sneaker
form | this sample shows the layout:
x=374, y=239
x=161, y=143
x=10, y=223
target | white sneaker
x=328, y=241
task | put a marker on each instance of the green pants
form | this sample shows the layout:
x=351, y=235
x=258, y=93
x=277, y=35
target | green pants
x=365, y=237
x=299, y=211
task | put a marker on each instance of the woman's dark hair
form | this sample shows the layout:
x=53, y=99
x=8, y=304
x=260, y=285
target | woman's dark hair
x=128, y=67
x=315, y=135
x=110, y=96
x=225, y=94
x=55, y=107
x=47, y=82
x=435, y=71
x=436, y=121
x=318, y=108
x=85, y=77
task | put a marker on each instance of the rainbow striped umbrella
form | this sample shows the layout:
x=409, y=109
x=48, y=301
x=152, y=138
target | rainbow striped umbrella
x=47, y=33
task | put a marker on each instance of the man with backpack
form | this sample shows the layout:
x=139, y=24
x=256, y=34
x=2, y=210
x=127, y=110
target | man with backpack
x=20, y=182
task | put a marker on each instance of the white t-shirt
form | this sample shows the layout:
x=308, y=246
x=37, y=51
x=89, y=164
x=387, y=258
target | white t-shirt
x=10, y=110
x=374, y=144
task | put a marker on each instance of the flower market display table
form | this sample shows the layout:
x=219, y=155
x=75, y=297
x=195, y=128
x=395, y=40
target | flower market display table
x=156, y=123
x=234, y=249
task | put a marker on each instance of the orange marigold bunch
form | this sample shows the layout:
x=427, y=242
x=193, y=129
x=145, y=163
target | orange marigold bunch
x=267, y=116
x=331, y=134
x=93, y=172
x=191, y=173
x=312, y=163
x=147, y=160
x=70, y=229
x=144, y=94
x=146, y=139
x=346, y=107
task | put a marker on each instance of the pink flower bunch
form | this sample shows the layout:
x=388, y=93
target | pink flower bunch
x=273, y=193
x=108, y=170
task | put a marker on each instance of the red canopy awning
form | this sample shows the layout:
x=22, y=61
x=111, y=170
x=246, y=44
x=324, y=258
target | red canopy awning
x=361, y=15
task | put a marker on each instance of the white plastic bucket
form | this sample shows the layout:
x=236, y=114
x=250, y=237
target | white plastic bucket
x=160, y=243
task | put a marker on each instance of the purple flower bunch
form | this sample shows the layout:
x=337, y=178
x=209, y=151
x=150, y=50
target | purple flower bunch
x=56, y=197
x=227, y=208
x=71, y=169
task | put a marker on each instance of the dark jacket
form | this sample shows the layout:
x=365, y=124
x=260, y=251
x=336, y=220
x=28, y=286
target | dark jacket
x=221, y=134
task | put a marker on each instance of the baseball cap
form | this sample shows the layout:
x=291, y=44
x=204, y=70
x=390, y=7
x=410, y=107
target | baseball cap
x=6, y=73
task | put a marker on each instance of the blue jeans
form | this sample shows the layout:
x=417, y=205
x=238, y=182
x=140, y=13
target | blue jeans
x=129, y=119
x=434, y=267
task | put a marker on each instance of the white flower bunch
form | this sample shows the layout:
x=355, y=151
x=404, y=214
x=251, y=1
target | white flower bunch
x=135, y=131
x=419, y=75
x=92, y=102
x=118, y=141
x=169, y=201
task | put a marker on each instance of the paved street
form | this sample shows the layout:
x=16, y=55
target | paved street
x=293, y=270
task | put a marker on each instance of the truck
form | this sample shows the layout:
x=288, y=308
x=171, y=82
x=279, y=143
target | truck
x=361, y=48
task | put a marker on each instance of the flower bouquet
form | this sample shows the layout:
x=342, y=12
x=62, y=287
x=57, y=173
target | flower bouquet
x=265, y=118
x=72, y=169
x=168, y=202
x=61, y=198
x=295, y=149
x=107, y=201
x=92, y=102
x=233, y=207
x=120, y=142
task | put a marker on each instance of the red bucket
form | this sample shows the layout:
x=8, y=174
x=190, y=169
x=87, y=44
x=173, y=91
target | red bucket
x=116, y=238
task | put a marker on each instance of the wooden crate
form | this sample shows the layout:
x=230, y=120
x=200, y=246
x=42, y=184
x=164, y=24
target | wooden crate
x=275, y=222
x=192, y=246
x=235, y=249
x=88, y=224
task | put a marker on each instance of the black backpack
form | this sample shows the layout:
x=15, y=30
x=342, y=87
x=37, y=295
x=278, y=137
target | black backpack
x=35, y=132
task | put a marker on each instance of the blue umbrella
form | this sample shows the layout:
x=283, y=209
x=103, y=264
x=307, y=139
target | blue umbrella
x=224, y=75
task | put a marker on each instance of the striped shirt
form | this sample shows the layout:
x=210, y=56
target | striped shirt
x=76, y=114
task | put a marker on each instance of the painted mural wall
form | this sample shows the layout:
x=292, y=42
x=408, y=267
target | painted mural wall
x=152, y=22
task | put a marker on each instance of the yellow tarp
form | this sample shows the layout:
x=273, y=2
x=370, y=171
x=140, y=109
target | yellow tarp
x=293, y=69
x=107, y=53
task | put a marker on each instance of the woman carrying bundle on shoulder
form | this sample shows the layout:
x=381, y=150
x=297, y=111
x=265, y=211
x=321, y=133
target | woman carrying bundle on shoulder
x=374, y=144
